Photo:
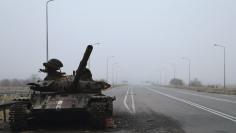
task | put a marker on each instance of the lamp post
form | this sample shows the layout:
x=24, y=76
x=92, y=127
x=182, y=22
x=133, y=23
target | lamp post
x=224, y=47
x=47, y=29
x=89, y=61
x=174, y=70
x=107, y=74
x=163, y=76
x=116, y=77
x=113, y=67
x=189, y=72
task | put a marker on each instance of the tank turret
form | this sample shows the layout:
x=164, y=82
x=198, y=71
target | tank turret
x=80, y=82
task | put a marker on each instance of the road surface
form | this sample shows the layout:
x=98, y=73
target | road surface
x=196, y=112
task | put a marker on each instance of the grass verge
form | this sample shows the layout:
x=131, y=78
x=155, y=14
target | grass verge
x=227, y=91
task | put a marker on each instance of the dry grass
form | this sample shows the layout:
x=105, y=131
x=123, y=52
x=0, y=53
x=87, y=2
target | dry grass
x=13, y=89
x=227, y=91
x=7, y=98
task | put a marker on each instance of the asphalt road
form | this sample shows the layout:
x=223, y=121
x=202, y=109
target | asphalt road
x=135, y=110
x=196, y=112
x=153, y=109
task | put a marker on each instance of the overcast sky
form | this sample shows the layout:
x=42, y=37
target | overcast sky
x=147, y=37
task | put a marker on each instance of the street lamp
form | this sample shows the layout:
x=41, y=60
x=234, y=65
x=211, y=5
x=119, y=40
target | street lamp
x=47, y=29
x=162, y=78
x=116, y=74
x=224, y=47
x=113, y=72
x=116, y=81
x=173, y=65
x=97, y=43
x=189, y=72
x=107, y=74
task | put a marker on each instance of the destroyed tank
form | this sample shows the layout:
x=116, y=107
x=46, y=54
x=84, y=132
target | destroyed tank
x=71, y=98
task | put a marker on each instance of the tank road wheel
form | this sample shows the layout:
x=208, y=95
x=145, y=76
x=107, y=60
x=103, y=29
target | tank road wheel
x=97, y=122
x=97, y=119
x=99, y=111
x=18, y=117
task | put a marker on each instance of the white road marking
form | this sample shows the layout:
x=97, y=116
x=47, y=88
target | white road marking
x=209, y=97
x=59, y=103
x=221, y=114
x=132, y=98
x=133, y=111
x=125, y=101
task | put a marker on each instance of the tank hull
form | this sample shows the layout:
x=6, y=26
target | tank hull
x=60, y=115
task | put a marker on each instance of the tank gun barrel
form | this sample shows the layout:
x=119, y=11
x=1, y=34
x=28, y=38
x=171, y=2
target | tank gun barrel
x=83, y=64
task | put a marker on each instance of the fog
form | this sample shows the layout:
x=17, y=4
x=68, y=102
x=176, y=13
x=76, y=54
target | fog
x=146, y=37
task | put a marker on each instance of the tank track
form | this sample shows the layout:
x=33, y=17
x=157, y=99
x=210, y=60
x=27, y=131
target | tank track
x=18, y=117
x=98, y=114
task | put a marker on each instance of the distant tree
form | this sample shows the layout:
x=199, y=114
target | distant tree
x=16, y=82
x=34, y=78
x=19, y=82
x=5, y=82
x=195, y=83
x=177, y=82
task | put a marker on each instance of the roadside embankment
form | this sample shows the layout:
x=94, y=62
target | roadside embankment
x=227, y=91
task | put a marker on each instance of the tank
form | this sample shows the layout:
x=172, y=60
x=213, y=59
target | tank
x=64, y=98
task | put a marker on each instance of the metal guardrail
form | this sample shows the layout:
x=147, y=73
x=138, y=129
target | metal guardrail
x=4, y=107
x=13, y=93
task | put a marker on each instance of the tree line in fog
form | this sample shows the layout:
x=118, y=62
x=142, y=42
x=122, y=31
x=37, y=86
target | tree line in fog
x=19, y=82
x=179, y=82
